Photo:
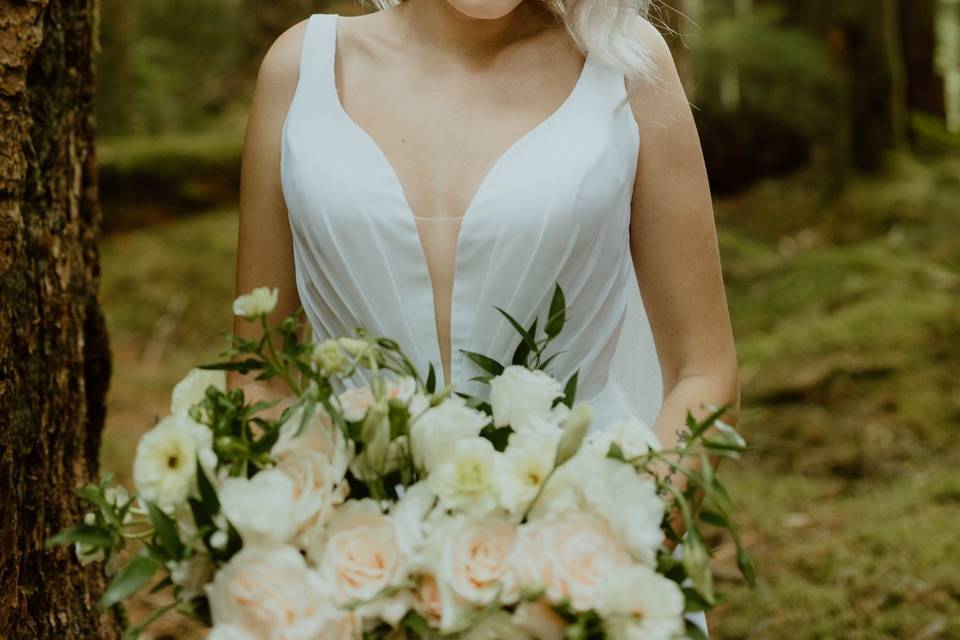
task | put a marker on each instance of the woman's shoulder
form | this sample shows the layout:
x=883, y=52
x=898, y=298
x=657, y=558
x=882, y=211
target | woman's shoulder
x=280, y=66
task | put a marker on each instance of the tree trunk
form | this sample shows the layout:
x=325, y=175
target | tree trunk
x=54, y=355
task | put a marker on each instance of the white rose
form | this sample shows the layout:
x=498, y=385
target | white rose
x=192, y=388
x=269, y=593
x=261, y=508
x=632, y=435
x=260, y=301
x=613, y=490
x=522, y=470
x=519, y=393
x=435, y=432
x=164, y=469
x=637, y=603
x=467, y=481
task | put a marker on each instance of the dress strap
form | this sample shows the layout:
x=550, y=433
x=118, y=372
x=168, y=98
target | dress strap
x=317, y=57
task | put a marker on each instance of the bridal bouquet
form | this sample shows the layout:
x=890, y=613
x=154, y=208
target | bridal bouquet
x=395, y=509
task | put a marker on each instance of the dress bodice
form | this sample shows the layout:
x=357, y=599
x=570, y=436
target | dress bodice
x=553, y=208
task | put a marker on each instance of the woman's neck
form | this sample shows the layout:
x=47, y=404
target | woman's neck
x=438, y=25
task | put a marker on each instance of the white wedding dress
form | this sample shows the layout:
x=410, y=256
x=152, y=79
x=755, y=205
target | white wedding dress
x=554, y=208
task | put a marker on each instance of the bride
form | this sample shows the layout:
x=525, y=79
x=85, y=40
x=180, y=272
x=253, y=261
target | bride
x=410, y=169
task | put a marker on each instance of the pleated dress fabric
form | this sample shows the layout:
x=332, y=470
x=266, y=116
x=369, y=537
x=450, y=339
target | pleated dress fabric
x=553, y=208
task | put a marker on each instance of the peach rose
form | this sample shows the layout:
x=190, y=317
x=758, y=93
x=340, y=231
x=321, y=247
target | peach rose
x=539, y=620
x=426, y=599
x=476, y=561
x=361, y=557
x=269, y=593
x=355, y=401
x=568, y=555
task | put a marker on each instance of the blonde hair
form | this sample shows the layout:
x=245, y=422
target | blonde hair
x=608, y=29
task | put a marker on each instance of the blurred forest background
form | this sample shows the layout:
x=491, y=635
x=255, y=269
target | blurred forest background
x=832, y=134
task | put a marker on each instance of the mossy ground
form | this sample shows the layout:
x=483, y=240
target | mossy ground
x=847, y=318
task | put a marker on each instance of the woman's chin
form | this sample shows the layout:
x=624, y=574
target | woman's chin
x=484, y=9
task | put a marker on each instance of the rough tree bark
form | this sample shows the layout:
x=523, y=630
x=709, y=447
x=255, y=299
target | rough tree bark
x=54, y=354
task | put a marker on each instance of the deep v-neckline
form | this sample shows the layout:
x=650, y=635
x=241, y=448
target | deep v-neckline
x=410, y=218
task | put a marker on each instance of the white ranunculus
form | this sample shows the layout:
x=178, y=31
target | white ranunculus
x=260, y=301
x=613, y=490
x=637, y=603
x=270, y=594
x=518, y=393
x=522, y=470
x=467, y=481
x=164, y=468
x=632, y=435
x=261, y=508
x=435, y=432
x=192, y=388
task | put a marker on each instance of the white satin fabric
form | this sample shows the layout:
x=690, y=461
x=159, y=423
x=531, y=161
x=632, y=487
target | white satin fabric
x=555, y=207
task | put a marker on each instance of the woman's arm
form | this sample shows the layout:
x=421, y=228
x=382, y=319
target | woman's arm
x=264, y=244
x=673, y=242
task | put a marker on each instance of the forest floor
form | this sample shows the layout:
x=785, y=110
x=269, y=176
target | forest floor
x=847, y=319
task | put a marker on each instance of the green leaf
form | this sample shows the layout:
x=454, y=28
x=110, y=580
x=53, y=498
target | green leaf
x=558, y=313
x=484, y=362
x=527, y=338
x=208, y=495
x=746, y=566
x=431, y=385
x=414, y=622
x=131, y=577
x=498, y=436
x=85, y=534
x=693, y=601
x=570, y=390
x=714, y=518
x=696, y=562
x=243, y=366
x=166, y=530
x=694, y=632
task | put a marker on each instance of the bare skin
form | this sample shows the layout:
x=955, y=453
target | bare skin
x=413, y=76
